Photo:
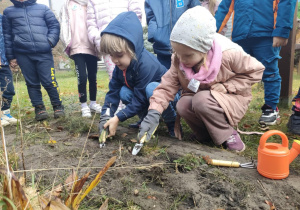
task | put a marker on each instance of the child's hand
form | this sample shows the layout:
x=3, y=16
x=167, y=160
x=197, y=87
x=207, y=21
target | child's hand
x=13, y=63
x=113, y=124
x=279, y=41
x=219, y=87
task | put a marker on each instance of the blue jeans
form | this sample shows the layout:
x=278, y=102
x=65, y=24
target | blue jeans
x=261, y=48
x=169, y=115
x=37, y=69
x=7, y=87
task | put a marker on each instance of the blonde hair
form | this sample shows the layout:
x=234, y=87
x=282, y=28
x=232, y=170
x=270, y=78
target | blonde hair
x=111, y=44
x=211, y=6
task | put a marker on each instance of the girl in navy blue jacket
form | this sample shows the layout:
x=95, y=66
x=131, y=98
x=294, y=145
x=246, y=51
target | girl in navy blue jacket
x=136, y=75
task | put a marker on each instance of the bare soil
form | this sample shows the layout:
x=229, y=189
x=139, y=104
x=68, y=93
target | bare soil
x=151, y=180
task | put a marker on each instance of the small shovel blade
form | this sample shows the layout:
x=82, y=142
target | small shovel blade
x=137, y=148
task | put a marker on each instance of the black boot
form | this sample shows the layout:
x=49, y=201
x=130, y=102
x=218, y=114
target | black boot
x=294, y=123
x=58, y=111
x=40, y=113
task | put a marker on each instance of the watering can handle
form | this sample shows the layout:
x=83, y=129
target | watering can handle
x=268, y=134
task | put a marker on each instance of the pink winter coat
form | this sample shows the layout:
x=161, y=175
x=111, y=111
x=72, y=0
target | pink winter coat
x=101, y=12
x=238, y=72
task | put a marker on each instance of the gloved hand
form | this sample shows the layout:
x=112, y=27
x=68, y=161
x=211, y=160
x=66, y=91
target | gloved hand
x=149, y=124
x=103, y=120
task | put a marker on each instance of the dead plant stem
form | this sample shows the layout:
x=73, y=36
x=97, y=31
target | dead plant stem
x=21, y=130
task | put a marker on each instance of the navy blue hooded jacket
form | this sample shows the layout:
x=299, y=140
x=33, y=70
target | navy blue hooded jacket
x=3, y=59
x=255, y=18
x=140, y=72
x=29, y=27
x=161, y=18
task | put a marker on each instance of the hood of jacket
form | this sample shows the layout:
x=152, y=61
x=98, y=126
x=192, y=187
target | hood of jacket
x=24, y=3
x=127, y=26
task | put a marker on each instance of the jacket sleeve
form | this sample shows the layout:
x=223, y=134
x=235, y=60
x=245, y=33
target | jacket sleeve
x=247, y=71
x=8, y=37
x=134, y=6
x=139, y=100
x=93, y=30
x=194, y=3
x=165, y=91
x=285, y=17
x=53, y=27
x=151, y=21
x=112, y=98
x=222, y=11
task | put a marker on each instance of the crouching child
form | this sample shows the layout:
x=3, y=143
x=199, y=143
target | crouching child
x=137, y=73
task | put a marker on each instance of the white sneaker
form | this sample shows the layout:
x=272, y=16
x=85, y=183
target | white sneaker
x=6, y=116
x=96, y=108
x=120, y=107
x=86, y=112
x=4, y=122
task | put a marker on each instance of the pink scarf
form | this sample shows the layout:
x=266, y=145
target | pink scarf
x=213, y=62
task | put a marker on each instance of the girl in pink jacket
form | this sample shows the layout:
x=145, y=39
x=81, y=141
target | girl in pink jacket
x=74, y=36
x=99, y=14
x=215, y=75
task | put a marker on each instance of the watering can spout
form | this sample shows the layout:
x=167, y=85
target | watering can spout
x=295, y=150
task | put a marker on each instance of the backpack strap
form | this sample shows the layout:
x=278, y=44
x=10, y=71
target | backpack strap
x=230, y=11
x=275, y=10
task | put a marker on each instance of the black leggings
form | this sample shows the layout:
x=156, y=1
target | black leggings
x=86, y=67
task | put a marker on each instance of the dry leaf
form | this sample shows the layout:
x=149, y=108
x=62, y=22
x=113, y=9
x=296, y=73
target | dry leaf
x=247, y=126
x=136, y=192
x=28, y=112
x=104, y=205
x=151, y=197
x=272, y=207
x=51, y=141
x=124, y=135
x=69, y=181
x=133, y=140
x=60, y=128
x=93, y=184
x=114, y=152
x=57, y=191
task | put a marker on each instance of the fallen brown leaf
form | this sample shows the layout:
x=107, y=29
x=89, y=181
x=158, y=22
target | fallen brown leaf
x=124, y=135
x=104, y=205
x=60, y=128
x=272, y=207
x=133, y=140
x=151, y=197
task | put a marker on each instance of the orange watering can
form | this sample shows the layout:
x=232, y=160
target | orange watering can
x=274, y=159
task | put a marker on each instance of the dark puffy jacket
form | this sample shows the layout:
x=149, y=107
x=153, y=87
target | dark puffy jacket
x=3, y=59
x=141, y=71
x=161, y=18
x=29, y=27
x=255, y=18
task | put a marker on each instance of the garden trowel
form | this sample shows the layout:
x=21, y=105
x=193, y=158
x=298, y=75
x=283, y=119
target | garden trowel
x=138, y=146
x=104, y=133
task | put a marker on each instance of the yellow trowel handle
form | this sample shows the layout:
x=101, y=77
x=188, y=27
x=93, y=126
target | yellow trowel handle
x=225, y=163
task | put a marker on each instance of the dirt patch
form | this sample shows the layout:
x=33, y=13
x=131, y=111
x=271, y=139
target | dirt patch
x=152, y=180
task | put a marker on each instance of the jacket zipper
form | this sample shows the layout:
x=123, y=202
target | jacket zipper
x=26, y=18
x=124, y=75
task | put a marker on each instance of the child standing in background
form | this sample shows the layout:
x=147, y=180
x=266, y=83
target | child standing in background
x=30, y=32
x=261, y=28
x=137, y=73
x=99, y=15
x=74, y=36
x=6, y=82
x=212, y=6
x=161, y=18
x=216, y=77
